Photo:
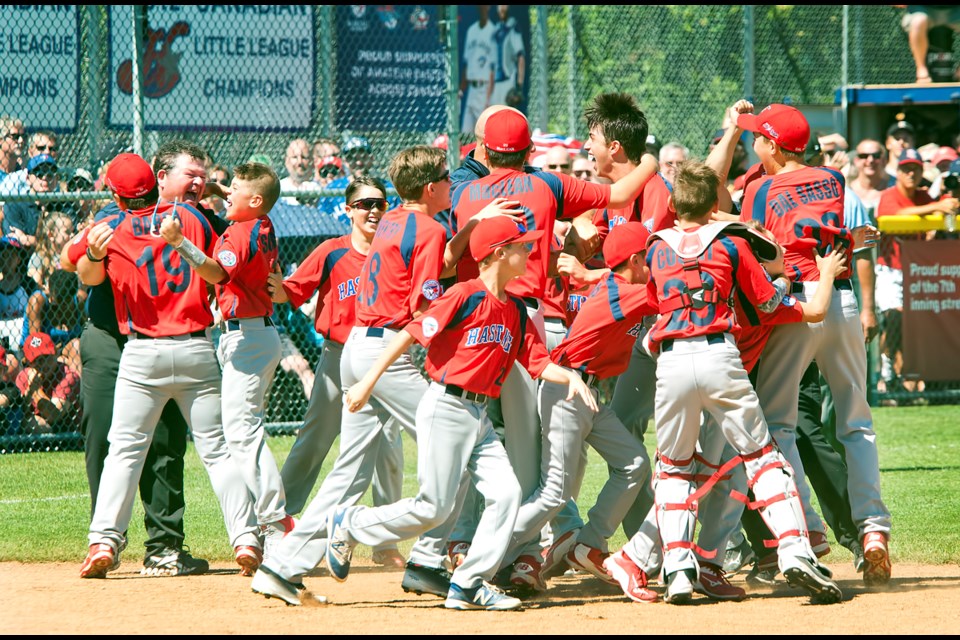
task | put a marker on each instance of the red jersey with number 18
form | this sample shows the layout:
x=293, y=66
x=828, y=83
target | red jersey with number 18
x=155, y=291
x=333, y=268
x=473, y=338
x=247, y=251
x=728, y=262
x=804, y=211
x=402, y=269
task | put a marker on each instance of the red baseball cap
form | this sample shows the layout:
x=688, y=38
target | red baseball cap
x=330, y=161
x=129, y=176
x=783, y=124
x=38, y=344
x=497, y=232
x=623, y=241
x=944, y=154
x=507, y=131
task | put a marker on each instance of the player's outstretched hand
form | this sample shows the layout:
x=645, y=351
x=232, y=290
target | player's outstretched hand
x=865, y=236
x=275, y=287
x=501, y=207
x=171, y=231
x=97, y=240
x=579, y=388
x=568, y=265
x=357, y=395
x=834, y=263
x=739, y=107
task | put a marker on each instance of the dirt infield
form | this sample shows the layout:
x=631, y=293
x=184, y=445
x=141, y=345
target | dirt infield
x=51, y=599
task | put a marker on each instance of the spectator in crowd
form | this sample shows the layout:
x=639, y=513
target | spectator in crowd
x=671, y=155
x=299, y=164
x=653, y=145
x=57, y=310
x=358, y=156
x=328, y=169
x=834, y=148
x=871, y=179
x=81, y=210
x=56, y=229
x=906, y=197
x=50, y=388
x=217, y=174
x=557, y=159
x=10, y=399
x=14, y=290
x=900, y=136
x=324, y=148
x=11, y=145
x=583, y=168
x=941, y=161
x=20, y=219
x=917, y=21
x=41, y=143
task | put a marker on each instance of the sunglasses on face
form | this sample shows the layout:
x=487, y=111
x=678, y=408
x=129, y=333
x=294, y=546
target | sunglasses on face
x=45, y=175
x=369, y=204
x=867, y=156
x=328, y=171
x=583, y=173
x=43, y=148
x=14, y=136
x=442, y=177
x=558, y=166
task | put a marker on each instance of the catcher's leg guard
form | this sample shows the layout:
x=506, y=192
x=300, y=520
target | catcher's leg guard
x=676, y=515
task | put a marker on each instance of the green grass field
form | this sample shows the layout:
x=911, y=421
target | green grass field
x=44, y=502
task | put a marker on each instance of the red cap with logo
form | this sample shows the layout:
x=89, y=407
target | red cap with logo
x=129, y=176
x=783, y=124
x=497, y=232
x=38, y=344
x=507, y=131
x=623, y=241
x=330, y=161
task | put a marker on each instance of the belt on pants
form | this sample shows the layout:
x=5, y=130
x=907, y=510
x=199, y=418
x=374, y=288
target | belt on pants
x=237, y=323
x=193, y=334
x=839, y=285
x=713, y=338
x=376, y=332
x=477, y=83
x=459, y=392
x=589, y=379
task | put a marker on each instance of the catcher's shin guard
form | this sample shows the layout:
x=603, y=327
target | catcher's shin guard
x=676, y=514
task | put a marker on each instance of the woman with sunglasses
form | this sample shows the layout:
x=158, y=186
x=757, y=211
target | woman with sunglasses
x=332, y=271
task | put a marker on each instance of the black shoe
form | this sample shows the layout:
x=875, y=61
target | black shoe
x=420, y=580
x=815, y=579
x=173, y=562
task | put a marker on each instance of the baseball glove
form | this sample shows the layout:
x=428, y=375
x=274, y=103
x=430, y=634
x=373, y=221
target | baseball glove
x=514, y=97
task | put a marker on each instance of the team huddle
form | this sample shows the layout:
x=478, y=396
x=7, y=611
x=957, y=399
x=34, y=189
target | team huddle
x=706, y=313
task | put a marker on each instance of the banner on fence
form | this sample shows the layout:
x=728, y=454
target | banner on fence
x=40, y=65
x=227, y=67
x=931, y=309
x=391, y=68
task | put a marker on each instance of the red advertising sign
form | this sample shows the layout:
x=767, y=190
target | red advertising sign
x=931, y=309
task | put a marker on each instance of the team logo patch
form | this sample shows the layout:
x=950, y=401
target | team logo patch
x=227, y=258
x=430, y=327
x=431, y=289
x=35, y=342
x=789, y=301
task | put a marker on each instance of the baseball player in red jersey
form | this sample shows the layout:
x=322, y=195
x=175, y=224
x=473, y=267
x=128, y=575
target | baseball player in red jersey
x=803, y=208
x=165, y=314
x=249, y=348
x=474, y=334
x=399, y=279
x=693, y=273
x=332, y=271
x=544, y=197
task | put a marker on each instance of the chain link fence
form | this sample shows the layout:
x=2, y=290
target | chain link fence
x=320, y=91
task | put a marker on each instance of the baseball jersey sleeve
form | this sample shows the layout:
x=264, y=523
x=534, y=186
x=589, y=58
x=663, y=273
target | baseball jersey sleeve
x=580, y=196
x=310, y=276
x=751, y=278
x=427, y=265
x=232, y=252
x=442, y=312
x=78, y=246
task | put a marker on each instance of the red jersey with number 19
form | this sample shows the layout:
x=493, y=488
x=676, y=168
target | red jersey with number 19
x=602, y=335
x=804, y=211
x=333, y=268
x=155, y=291
x=473, y=338
x=726, y=263
x=247, y=251
x=402, y=269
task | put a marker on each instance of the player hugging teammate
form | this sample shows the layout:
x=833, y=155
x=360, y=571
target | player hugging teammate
x=665, y=317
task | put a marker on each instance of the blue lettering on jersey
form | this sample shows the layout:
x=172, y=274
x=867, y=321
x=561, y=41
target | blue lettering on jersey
x=574, y=302
x=818, y=190
x=141, y=226
x=616, y=221
x=348, y=289
x=493, y=333
x=783, y=204
x=513, y=186
x=636, y=330
x=387, y=229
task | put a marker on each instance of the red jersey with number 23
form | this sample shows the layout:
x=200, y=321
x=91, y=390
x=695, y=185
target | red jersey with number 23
x=155, y=291
x=247, y=251
x=473, y=338
x=726, y=263
x=402, y=269
x=333, y=268
x=804, y=211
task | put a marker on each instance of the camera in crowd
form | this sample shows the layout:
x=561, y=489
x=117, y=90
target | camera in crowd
x=951, y=179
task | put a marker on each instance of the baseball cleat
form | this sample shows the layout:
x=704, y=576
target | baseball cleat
x=736, y=558
x=858, y=560
x=590, y=559
x=420, y=580
x=714, y=584
x=819, y=543
x=274, y=533
x=526, y=574
x=389, y=558
x=554, y=561
x=249, y=558
x=100, y=558
x=815, y=579
x=269, y=584
x=483, y=597
x=630, y=577
x=680, y=586
x=876, y=555
x=339, y=549
x=457, y=552
x=764, y=571
x=169, y=561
